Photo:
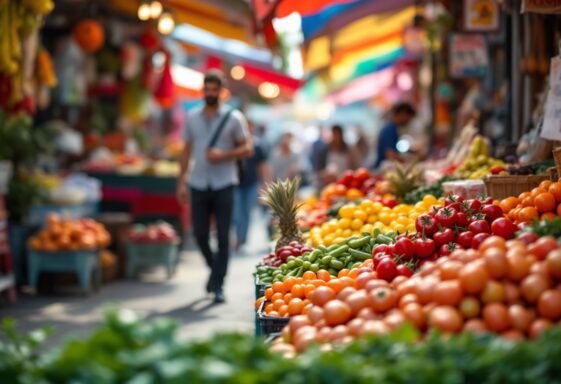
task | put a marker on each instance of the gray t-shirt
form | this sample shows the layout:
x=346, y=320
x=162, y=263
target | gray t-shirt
x=199, y=131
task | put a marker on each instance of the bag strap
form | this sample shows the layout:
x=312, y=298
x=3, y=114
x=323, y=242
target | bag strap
x=219, y=129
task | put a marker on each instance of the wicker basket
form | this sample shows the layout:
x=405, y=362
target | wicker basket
x=501, y=187
x=268, y=324
x=557, y=158
x=553, y=174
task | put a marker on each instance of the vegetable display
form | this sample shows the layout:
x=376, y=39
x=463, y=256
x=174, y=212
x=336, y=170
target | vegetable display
x=160, y=232
x=506, y=287
x=541, y=203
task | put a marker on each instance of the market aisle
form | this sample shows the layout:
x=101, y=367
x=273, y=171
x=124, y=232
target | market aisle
x=182, y=298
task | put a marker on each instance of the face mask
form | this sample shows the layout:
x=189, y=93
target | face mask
x=211, y=100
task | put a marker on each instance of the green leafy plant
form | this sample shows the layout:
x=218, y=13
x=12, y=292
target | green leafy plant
x=129, y=349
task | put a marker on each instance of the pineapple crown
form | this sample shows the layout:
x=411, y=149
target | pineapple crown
x=280, y=196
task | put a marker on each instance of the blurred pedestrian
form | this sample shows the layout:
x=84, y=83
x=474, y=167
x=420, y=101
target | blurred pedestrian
x=256, y=171
x=401, y=115
x=287, y=163
x=336, y=158
x=216, y=137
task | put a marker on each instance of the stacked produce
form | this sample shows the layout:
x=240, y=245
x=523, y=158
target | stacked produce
x=541, y=203
x=506, y=287
x=70, y=235
x=367, y=216
x=281, y=255
x=160, y=232
x=478, y=162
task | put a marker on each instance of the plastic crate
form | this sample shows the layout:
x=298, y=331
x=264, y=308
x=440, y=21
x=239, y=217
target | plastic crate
x=259, y=288
x=152, y=254
x=39, y=212
x=270, y=325
x=83, y=263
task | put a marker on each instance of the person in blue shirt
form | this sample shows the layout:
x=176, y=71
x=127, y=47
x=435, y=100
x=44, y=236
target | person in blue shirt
x=402, y=114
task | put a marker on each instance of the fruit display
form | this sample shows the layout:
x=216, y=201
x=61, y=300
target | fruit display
x=63, y=234
x=403, y=180
x=367, y=216
x=478, y=162
x=352, y=186
x=506, y=287
x=160, y=232
x=436, y=190
x=280, y=196
x=281, y=255
x=541, y=203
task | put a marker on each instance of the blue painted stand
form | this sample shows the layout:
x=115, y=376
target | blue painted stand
x=152, y=254
x=83, y=263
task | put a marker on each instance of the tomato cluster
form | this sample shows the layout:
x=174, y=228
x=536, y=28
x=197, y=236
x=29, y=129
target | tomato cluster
x=282, y=254
x=458, y=225
x=360, y=179
x=506, y=287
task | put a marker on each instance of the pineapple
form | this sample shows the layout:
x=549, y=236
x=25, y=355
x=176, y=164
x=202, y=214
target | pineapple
x=403, y=180
x=280, y=197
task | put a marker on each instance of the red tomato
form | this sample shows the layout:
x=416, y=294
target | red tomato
x=463, y=220
x=478, y=239
x=426, y=225
x=386, y=270
x=447, y=217
x=504, y=227
x=404, y=248
x=447, y=249
x=443, y=236
x=424, y=248
x=380, y=248
x=479, y=226
x=528, y=237
x=492, y=212
x=403, y=270
x=465, y=239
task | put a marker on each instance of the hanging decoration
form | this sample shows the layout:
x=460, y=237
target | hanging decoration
x=89, y=35
x=19, y=23
x=165, y=94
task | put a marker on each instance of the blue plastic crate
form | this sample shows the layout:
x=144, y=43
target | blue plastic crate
x=84, y=263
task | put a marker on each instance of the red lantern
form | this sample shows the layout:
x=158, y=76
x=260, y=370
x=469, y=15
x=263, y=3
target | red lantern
x=89, y=35
x=165, y=94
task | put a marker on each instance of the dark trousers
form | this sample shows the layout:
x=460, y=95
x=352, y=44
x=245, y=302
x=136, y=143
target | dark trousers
x=220, y=204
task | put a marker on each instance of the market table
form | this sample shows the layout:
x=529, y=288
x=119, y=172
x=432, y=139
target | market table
x=143, y=196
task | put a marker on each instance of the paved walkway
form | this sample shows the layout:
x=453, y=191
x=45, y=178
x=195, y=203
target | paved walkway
x=183, y=298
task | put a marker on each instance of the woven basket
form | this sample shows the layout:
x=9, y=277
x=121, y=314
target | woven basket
x=500, y=187
x=557, y=158
x=553, y=174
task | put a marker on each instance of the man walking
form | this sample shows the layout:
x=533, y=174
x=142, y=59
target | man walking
x=216, y=137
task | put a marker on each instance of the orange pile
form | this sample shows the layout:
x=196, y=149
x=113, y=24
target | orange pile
x=291, y=297
x=70, y=235
x=507, y=287
x=543, y=202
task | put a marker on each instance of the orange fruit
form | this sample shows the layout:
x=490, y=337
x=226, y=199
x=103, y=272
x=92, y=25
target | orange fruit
x=298, y=290
x=277, y=304
x=336, y=284
x=295, y=307
x=269, y=307
x=277, y=296
x=258, y=302
x=509, y=204
x=288, y=283
x=278, y=287
x=524, y=195
x=545, y=202
x=548, y=216
x=287, y=298
x=324, y=275
x=555, y=190
x=269, y=293
x=545, y=184
x=343, y=272
x=309, y=290
x=283, y=310
x=528, y=201
x=309, y=275
x=536, y=191
x=528, y=214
